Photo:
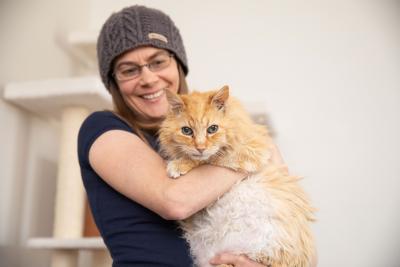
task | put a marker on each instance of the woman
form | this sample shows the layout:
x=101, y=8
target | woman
x=134, y=202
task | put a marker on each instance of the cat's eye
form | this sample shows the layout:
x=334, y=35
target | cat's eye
x=187, y=131
x=212, y=129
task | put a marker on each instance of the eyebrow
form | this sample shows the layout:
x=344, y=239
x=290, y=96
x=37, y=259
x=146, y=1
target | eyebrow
x=133, y=63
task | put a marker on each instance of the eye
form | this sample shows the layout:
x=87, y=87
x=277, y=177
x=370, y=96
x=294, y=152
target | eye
x=212, y=129
x=187, y=131
x=159, y=63
x=129, y=71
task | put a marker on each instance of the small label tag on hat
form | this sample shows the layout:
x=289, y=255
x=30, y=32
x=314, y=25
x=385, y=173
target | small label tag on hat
x=158, y=36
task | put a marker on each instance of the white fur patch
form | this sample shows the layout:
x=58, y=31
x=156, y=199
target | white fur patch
x=173, y=170
x=241, y=221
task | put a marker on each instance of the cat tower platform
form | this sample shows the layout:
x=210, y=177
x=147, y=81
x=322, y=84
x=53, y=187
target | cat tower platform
x=48, y=98
x=68, y=101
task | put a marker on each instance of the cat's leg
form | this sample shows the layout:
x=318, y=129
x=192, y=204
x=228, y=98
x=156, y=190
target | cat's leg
x=254, y=160
x=242, y=161
x=236, y=164
x=228, y=161
x=176, y=168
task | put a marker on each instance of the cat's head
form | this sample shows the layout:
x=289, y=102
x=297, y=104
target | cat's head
x=195, y=125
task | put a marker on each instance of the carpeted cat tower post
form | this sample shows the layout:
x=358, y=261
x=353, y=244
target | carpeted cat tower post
x=70, y=197
x=67, y=101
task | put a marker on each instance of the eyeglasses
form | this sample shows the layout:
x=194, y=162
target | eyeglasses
x=129, y=71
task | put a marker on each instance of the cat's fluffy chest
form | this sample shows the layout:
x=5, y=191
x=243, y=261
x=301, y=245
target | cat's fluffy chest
x=241, y=221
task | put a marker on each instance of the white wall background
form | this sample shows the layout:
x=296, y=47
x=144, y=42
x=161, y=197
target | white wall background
x=327, y=73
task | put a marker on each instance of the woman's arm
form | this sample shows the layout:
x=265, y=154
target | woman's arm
x=131, y=167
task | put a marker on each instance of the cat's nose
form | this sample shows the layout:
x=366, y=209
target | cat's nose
x=200, y=149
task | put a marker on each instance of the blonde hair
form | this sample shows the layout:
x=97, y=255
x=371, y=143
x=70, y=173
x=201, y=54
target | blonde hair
x=132, y=117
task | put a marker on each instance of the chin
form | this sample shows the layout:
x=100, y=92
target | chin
x=157, y=114
x=160, y=115
x=155, y=117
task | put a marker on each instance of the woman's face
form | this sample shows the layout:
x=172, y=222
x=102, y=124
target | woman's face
x=145, y=93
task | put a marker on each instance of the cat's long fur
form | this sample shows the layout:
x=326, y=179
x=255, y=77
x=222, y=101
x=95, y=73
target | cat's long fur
x=265, y=216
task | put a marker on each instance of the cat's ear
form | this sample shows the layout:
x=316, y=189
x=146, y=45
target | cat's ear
x=220, y=97
x=175, y=102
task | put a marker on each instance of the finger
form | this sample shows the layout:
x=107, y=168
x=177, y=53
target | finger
x=228, y=258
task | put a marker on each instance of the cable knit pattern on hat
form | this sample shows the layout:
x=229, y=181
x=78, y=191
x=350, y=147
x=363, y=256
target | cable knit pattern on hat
x=131, y=28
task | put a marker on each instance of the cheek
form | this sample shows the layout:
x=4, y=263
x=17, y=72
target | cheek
x=126, y=88
x=217, y=139
x=184, y=140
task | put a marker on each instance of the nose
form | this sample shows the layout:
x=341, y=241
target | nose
x=147, y=77
x=201, y=149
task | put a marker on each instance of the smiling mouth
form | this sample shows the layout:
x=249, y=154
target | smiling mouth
x=153, y=96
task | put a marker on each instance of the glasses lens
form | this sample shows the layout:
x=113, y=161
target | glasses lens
x=132, y=71
x=127, y=72
x=160, y=62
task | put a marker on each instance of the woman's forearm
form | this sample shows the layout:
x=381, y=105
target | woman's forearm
x=198, y=188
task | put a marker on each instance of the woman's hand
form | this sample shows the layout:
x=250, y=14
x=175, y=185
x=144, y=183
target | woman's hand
x=235, y=260
x=244, y=261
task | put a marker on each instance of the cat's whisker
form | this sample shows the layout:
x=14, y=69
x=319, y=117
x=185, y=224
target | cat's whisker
x=220, y=153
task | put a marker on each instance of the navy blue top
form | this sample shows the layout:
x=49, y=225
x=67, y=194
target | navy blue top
x=134, y=235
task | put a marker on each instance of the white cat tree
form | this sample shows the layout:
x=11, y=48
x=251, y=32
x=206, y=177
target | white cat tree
x=67, y=101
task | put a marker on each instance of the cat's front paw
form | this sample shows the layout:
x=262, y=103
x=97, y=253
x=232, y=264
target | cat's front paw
x=173, y=170
x=176, y=168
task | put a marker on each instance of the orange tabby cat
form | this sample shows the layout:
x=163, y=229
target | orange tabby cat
x=265, y=216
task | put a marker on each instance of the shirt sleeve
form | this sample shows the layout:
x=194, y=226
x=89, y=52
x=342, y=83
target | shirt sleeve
x=95, y=125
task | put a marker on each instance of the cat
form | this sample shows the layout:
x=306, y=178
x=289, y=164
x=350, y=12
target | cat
x=265, y=216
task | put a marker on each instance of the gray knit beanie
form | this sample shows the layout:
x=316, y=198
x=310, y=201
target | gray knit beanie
x=133, y=27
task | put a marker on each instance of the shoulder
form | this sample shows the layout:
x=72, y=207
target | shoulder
x=103, y=119
x=95, y=125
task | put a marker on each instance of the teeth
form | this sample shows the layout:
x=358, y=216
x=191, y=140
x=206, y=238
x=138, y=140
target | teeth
x=152, y=96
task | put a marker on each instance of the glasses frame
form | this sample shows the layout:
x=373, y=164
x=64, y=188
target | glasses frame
x=147, y=65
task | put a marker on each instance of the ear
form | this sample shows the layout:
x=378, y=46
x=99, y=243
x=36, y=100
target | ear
x=220, y=97
x=175, y=102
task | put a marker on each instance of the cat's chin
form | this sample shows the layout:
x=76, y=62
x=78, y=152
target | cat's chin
x=200, y=157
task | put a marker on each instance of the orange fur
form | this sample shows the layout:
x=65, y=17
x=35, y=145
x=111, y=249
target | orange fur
x=242, y=145
x=294, y=213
